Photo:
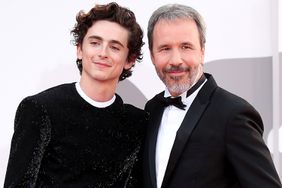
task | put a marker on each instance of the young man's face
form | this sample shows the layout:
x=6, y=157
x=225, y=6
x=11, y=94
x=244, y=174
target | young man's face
x=104, y=52
x=177, y=54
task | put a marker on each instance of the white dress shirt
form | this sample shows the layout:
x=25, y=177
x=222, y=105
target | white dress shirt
x=171, y=121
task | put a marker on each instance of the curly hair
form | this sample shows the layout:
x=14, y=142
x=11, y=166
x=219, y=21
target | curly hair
x=114, y=13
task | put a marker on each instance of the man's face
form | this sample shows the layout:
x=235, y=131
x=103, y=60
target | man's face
x=177, y=54
x=104, y=52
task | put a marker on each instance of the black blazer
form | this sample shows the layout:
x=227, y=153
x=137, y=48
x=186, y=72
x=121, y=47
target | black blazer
x=218, y=145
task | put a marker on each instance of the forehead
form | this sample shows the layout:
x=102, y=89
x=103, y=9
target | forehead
x=175, y=30
x=108, y=31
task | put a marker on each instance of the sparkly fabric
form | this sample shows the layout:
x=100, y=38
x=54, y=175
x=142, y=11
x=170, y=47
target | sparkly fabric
x=60, y=140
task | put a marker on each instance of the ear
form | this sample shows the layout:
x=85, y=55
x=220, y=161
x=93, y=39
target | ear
x=152, y=57
x=129, y=63
x=79, y=51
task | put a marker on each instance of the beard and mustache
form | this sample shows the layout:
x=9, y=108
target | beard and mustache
x=180, y=84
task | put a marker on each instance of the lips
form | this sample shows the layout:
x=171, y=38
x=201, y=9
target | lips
x=176, y=73
x=176, y=69
x=102, y=64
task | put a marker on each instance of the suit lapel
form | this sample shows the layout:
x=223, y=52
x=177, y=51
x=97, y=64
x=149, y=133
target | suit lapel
x=156, y=113
x=190, y=121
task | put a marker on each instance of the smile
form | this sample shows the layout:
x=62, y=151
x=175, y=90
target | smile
x=101, y=64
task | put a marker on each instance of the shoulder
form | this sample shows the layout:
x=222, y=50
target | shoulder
x=131, y=113
x=40, y=102
x=236, y=109
x=135, y=112
x=129, y=108
x=152, y=103
x=231, y=100
x=59, y=90
x=221, y=96
x=53, y=94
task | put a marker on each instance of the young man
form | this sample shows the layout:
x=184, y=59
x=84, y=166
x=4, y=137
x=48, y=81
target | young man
x=81, y=134
x=199, y=135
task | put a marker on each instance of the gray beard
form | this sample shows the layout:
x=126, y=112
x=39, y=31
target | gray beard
x=178, y=87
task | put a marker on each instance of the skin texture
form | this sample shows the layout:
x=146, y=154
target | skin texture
x=177, y=54
x=104, y=56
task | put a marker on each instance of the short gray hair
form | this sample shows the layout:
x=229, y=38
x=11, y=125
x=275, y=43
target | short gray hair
x=176, y=11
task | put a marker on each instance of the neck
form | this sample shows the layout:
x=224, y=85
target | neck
x=97, y=90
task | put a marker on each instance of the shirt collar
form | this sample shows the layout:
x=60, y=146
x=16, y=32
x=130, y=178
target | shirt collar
x=91, y=101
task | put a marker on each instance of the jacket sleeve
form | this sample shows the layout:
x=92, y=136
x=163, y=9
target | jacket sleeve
x=247, y=152
x=32, y=132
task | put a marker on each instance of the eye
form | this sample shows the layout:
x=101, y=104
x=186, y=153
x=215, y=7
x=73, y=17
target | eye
x=115, y=48
x=163, y=49
x=94, y=43
x=187, y=47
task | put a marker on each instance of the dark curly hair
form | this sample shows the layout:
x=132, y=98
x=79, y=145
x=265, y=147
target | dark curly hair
x=114, y=13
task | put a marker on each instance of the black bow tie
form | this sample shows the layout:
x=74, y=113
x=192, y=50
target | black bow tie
x=166, y=101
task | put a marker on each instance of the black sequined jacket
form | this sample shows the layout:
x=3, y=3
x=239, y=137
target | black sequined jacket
x=60, y=140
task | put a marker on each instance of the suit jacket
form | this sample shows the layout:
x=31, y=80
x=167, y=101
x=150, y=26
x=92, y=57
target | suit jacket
x=218, y=145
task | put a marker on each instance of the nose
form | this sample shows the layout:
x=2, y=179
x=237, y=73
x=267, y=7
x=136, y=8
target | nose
x=175, y=58
x=103, y=51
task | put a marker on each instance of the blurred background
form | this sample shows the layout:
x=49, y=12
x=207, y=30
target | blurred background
x=243, y=52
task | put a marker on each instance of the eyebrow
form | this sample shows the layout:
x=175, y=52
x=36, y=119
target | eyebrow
x=187, y=43
x=162, y=46
x=100, y=38
x=167, y=45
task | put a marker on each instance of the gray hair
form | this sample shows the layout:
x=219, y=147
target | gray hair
x=176, y=11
